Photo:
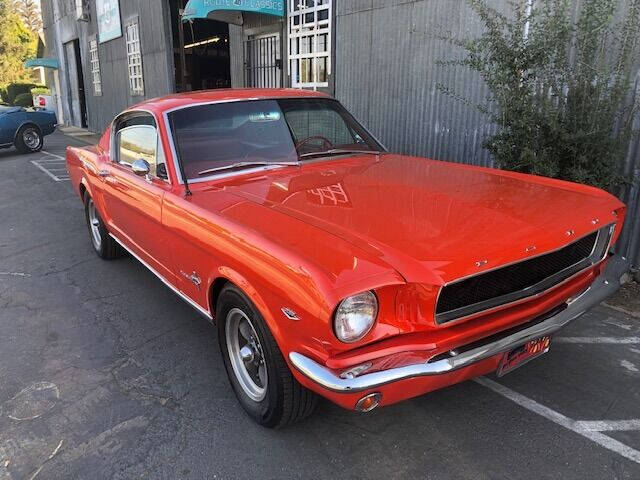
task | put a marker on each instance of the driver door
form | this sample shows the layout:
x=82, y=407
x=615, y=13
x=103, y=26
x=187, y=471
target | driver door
x=134, y=202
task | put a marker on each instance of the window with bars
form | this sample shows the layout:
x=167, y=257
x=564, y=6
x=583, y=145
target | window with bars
x=309, y=42
x=95, y=68
x=134, y=59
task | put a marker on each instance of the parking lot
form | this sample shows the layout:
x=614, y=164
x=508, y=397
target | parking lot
x=106, y=374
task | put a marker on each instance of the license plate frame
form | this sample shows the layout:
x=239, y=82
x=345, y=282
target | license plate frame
x=523, y=354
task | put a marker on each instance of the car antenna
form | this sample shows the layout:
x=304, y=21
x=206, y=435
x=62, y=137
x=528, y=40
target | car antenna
x=187, y=190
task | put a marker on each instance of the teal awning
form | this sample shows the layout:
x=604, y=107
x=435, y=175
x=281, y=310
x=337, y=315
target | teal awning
x=41, y=62
x=230, y=11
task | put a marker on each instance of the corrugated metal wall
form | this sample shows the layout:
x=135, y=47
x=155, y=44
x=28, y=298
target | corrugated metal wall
x=157, y=60
x=154, y=23
x=629, y=242
x=386, y=74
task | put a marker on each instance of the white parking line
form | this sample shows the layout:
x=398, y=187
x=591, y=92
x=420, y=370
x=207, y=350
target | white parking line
x=587, y=429
x=53, y=165
x=52, y=155
x=611, y=425
x=603, y=340
x=47, y=171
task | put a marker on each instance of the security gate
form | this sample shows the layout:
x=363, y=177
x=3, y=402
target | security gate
x=263, y=62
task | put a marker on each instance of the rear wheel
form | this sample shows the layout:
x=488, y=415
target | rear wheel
x=258, y=373
x=29, y=139
x=103, y=244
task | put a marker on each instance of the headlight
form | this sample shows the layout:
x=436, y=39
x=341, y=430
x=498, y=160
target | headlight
x=355, y=316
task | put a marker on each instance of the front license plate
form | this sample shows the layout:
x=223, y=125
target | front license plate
x=521, y=355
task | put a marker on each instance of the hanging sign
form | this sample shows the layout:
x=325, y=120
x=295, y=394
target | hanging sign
x=109, y=26
x=222, y=9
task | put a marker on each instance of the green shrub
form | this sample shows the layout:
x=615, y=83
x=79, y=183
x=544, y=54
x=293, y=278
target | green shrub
x=15, y=89
x=40, y=91
x=4, y=97
x=24, y=100
x=559, y=88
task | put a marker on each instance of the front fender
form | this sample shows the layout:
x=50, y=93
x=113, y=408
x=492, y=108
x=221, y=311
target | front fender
x=249, y=290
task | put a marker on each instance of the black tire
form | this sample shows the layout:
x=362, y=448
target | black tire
x=107, y=248
x=286, y=401
x=29, y=139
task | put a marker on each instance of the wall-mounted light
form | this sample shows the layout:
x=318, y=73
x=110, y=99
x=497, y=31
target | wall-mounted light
x=203, y=42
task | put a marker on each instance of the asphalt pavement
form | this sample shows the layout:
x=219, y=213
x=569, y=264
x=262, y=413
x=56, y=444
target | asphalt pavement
x=106, y=374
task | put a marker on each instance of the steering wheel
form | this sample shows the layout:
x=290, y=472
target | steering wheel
x=315, y=137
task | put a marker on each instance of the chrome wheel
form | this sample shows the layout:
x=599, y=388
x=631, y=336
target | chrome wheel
x=31, y=138
x=94, y=225
x=246, y=354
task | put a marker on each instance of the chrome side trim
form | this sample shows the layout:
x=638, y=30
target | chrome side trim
x=532, y=291
x=605, y=285
x=200, y=310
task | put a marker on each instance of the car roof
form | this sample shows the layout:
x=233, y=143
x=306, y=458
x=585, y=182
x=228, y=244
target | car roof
x=169, y=102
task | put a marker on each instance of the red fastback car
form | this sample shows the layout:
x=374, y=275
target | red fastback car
x=331, y=266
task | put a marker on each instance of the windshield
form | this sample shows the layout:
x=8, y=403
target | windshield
x=213, y=138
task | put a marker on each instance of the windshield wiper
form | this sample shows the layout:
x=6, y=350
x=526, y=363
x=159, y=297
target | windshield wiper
x=339, y=151
x=242, y=165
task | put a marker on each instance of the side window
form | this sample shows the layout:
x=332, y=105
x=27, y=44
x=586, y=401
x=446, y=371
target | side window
x=138, y=141
x=137, y=137
x=161, y=163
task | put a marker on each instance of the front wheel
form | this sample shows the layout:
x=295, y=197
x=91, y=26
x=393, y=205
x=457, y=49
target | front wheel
x=103, y=244
x=258, y=373
x=29, y=139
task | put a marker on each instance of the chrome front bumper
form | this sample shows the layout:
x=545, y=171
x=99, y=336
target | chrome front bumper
x=607, y=283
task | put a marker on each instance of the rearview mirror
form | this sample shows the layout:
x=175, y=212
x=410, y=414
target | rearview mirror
x=141, y=167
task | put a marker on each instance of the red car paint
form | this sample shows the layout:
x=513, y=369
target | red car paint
x=307, y=237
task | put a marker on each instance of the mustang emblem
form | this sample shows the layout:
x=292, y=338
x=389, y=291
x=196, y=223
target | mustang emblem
x=290, y=314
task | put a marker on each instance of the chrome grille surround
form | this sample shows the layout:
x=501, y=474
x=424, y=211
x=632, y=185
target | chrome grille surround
x=598, y=253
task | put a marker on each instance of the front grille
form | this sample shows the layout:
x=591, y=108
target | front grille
x=520, y=280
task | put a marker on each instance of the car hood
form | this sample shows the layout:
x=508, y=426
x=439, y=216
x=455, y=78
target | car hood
x=431, y=221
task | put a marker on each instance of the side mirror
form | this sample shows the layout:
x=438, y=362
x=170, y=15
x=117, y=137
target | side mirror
x=141, y=167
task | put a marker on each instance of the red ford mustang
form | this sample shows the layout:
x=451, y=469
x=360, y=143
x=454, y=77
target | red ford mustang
x=331, y=266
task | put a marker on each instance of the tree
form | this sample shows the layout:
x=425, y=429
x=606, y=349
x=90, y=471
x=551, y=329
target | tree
x=29, y=11
x=559, y=88
x=17, y=44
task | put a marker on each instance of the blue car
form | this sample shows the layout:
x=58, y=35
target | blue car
x=25, y=129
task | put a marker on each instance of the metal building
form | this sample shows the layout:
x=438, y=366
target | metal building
x=379, y=57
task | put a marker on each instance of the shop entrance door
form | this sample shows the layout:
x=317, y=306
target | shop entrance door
x=78, y=106
x=263, y=61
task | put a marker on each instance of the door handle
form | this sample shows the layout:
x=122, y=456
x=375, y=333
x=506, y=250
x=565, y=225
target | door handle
x=106, y=175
